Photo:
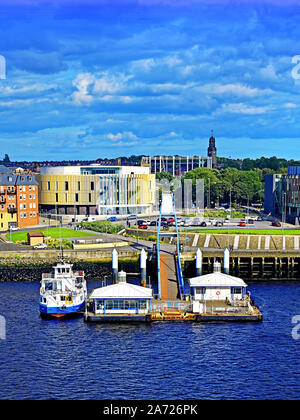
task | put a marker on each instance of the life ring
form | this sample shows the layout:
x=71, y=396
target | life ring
x=218, y=293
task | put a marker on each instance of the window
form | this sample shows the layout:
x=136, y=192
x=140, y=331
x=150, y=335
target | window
x=48, y=185
x=92, y=186
x=66, y=186
x=90, y=197
x=56, y=197
x=237, y=290
x=76, y=197
x=78, y=186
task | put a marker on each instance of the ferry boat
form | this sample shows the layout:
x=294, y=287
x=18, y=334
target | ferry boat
x=63, y=292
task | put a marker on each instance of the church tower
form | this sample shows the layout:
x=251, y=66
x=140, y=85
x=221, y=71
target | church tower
x=212, y=152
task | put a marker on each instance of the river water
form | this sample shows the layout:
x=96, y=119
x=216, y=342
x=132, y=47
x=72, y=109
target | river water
x=71, y=359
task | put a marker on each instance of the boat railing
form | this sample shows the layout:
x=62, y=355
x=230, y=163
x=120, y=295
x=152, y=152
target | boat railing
x=57, y=291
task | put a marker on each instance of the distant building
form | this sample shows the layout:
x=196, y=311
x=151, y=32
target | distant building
x=96, y=190
x=180, y=165
x=282, y=195
x=212, y=153
x=18, y=199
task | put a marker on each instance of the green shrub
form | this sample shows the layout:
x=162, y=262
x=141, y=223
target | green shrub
x=103, y=227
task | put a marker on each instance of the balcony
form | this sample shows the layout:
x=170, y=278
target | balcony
x=12, y=210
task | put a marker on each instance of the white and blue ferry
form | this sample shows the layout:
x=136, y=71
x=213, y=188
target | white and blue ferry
x=63, y=292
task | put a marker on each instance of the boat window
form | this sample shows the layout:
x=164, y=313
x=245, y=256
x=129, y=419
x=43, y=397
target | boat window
x=237, y=290
x=48, y=285
x=63, y=298
x=143, y=304
x=99, y=304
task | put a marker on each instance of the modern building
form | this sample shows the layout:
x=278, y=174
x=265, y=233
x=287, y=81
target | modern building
x=18, y=199
x=282, y=195
x=96, y=190
x=180, y=165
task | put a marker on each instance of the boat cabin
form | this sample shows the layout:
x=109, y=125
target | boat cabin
x=121, y=298
x=62, y=278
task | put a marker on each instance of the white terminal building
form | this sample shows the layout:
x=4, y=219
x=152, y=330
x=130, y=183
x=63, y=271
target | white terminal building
x=96, y=190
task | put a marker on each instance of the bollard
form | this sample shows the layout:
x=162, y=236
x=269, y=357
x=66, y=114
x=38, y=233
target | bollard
x=143, y=262
x=198, y=262
x=115, y=266
x=226, y=261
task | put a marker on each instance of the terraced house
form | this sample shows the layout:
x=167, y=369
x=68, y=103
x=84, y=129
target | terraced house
x=96, y=190
x=18, y=199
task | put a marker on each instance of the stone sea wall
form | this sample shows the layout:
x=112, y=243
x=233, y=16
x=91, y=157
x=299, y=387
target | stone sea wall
x=31, y=270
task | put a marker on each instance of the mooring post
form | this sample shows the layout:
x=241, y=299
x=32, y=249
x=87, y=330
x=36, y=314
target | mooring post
x=226, y=261
x=199, y=262
x=115, y=266
x=143, y=263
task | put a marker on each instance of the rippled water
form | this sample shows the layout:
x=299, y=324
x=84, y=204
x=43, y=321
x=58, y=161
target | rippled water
x=70, y=359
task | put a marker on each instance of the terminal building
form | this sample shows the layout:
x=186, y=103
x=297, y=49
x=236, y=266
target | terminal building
x=282, y=195
x=96, y=190
x=180, y=165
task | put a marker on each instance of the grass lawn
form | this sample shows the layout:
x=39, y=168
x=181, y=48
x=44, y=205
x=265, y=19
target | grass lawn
x=54, y=233
x=278, y=231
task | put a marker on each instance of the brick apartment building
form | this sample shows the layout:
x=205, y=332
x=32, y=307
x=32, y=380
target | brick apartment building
x=18, y=199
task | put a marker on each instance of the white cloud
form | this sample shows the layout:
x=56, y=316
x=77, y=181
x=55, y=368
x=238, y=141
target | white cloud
x=241, y=108
x=126, y=135
x=234, y=89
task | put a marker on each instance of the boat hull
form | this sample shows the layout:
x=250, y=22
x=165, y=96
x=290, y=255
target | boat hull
x=60, y=312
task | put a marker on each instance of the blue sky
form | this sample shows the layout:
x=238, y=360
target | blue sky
x=87, y=79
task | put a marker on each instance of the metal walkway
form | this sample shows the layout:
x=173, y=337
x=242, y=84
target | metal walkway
x=169, y=272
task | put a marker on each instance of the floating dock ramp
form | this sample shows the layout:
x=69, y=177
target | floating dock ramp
x=168, y=277
x=169, y=272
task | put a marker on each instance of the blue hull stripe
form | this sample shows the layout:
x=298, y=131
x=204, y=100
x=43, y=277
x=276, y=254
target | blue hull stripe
x=59, y=310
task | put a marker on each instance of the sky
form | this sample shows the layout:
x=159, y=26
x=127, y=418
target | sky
x=88, y=79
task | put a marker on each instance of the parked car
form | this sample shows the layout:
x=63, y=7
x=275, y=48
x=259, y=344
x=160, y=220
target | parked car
x=259, y=219
x=14, y=228
x=170, y=219
x=153, y=223
x=141, y=222
x=112, y=219
x=275, y=223
x=203, y=224
x=40, y=246
x=242, y=223
x=250, y=221
x=143, y=226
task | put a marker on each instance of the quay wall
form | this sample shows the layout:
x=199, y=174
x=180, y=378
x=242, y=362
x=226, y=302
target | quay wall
x=26, y=266
x=247, y=264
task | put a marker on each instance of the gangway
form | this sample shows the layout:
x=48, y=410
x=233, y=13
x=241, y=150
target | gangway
x=169, y=271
